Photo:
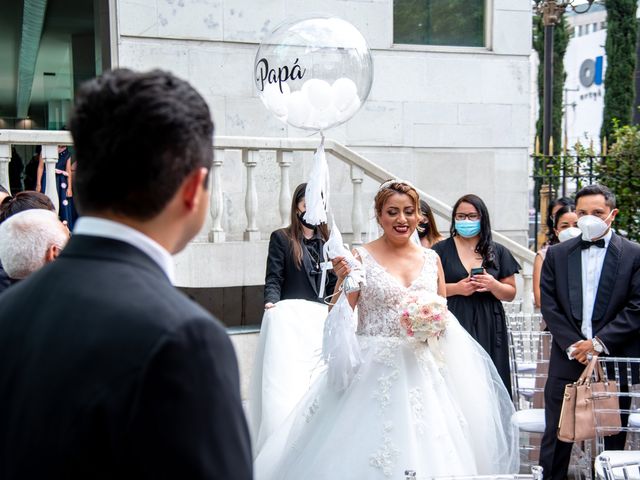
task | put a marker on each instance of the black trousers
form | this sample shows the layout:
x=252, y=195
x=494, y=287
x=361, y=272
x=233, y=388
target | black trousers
x=555, y=454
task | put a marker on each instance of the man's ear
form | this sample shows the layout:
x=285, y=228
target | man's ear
x=615, y=213
x=52, y=253
x=193, y=186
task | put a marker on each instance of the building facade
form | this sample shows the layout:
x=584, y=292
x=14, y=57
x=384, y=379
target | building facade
x=449, y=108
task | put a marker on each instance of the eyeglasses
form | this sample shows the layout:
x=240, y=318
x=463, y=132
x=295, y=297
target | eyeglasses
x=467, y=216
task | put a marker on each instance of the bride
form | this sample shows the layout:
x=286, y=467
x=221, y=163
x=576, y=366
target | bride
x=439, y=410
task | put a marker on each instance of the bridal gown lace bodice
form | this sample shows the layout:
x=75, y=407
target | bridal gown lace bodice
x=378, y=305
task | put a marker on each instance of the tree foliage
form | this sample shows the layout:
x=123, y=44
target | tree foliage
x=619, y=171
x=560, y=42
x=620, y=49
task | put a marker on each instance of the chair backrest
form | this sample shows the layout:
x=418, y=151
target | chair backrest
x=536, y=474
x=529, y=354
x=524, y=322
x=626, y=373
x=614, y=471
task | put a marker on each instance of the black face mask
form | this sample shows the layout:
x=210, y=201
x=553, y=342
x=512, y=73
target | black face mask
x=304, y=222
x=425, y=230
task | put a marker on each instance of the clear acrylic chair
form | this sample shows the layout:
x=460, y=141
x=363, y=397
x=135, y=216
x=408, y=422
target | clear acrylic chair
x=619, y=464
x=536, y=474
x=529, y=354
x=627, y=470
x=524, y=322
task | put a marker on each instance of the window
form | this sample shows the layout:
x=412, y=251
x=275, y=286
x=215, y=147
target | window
x=586, y=29
x=579, y=30
x=439, y=22
x=594, y=28
x=72, y=48
x=603, y=25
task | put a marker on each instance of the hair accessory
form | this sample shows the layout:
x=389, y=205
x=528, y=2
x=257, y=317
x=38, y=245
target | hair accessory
x=390, y=182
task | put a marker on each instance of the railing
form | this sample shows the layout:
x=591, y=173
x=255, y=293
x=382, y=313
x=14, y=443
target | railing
x=564, y=174
x=250, y=150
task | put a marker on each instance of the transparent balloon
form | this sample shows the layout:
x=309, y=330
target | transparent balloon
x=314, y=73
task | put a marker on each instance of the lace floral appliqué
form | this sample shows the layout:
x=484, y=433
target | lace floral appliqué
x=417, y=409
x=386, y=457
x=311, y=410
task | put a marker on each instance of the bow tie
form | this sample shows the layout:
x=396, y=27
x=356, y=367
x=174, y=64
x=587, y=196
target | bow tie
x=584, y=244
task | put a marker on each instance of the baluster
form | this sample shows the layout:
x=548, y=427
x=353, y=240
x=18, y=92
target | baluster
x=50, y=157
x=251, y=199
x=357, y=177
x=284, y=160
x=216, y=235
x=5, y=158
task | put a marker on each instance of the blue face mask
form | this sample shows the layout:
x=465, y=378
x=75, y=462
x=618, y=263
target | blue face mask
x=467, y=228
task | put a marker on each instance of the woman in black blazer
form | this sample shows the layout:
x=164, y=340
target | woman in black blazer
x=295, y=257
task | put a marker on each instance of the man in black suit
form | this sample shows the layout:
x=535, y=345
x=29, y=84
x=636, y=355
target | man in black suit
x=107, y=370
x=590, y=290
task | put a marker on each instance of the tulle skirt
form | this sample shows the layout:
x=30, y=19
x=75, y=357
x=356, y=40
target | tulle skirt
x=439, y=410
x=287, y=363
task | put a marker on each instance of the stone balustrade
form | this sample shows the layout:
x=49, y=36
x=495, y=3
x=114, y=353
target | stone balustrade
x=235, y=173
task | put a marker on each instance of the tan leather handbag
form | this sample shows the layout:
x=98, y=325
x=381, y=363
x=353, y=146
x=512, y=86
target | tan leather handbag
x=579, y=407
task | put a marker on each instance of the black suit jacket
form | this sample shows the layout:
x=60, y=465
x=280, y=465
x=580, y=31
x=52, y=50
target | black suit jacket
x=283, y=280
x=108, y=371
x=616, y=313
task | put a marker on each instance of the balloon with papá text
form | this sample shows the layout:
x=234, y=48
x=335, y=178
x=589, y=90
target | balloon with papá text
x=314, y=73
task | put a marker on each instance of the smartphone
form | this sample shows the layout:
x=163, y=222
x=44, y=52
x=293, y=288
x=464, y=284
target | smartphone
x=477, y=271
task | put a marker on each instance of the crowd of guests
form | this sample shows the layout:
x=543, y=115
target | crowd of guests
x=118, y=374
x=32, y=177
x=589, y=298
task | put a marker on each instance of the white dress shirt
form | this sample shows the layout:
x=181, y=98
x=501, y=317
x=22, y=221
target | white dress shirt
x=592, y=261
x=101, y=227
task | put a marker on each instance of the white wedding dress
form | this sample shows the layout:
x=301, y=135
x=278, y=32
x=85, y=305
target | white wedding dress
x=406, y=408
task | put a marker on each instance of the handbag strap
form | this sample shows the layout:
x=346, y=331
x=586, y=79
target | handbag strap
x=600, y=374
x=587, y=373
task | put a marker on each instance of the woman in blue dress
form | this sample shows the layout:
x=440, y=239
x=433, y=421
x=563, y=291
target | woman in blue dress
x=64, y=176
x=63, y=183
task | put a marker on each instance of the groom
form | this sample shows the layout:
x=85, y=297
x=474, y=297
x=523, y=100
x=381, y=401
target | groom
x=107, y=370
x=590, y=290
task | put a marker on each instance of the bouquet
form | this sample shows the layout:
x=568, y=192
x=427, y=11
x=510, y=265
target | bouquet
x=424, y=315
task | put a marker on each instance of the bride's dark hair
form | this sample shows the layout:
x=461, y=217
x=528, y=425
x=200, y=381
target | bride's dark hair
x=390, y=188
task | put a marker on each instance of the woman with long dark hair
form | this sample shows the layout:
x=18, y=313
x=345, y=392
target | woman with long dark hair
x=479, y=274
x=294, y=269
x=564, y=220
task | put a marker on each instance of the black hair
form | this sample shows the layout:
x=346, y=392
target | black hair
x=22, y=201
x=137, y=136
x=552, y=239
x=609, y=196
x=556, y=219
x=485, y=244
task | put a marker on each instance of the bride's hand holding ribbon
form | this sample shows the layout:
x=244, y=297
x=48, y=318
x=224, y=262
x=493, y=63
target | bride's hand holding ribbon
x=340, y=267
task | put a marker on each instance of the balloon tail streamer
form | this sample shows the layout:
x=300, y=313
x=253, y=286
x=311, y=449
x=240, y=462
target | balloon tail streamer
x=340, y=347
x=317, y=192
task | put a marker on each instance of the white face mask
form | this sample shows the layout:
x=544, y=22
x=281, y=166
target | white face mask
x=569, y=233
x=592, y=227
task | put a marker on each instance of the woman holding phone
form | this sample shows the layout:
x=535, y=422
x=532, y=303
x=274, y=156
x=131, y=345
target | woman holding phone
x=479, y=275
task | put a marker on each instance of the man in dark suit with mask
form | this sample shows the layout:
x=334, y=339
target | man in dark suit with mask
x=107, y=370
x=590, y=291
